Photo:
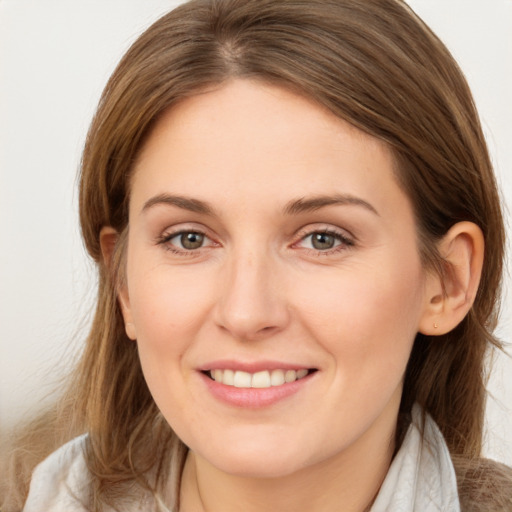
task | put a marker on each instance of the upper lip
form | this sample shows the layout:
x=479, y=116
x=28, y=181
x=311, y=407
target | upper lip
x=252, y=366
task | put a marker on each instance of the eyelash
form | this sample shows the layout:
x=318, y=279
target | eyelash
x=167, y=237
x=344, y=241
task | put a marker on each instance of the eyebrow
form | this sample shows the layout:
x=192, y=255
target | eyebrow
x=186, y=203
x=304, y=204
x=294, y=207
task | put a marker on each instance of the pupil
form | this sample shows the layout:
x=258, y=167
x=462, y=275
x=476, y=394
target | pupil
x=192, y=240
x=323, y=241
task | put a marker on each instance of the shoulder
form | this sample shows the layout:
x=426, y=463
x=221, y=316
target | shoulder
x=62, y=481
x=484, y=485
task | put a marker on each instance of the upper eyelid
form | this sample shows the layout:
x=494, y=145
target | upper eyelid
x=173, y=234
x=323, y=228
x=185, y=227
x=166, y=235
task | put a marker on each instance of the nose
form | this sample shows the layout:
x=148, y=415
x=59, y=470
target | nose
x=252, y=303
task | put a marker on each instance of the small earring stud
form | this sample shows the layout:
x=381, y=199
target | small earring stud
x=435, y=325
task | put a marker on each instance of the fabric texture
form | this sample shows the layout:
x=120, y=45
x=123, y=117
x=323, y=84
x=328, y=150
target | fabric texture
x=60, y=482
x=421, y=478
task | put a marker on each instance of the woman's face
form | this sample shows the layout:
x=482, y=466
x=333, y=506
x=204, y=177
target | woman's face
x=270, y=242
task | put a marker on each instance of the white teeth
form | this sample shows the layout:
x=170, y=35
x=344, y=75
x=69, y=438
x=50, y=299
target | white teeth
x=301, y=373
x=263, y=379
x=242, y=380
x=228, y=377
x=290, y=375
x=277, y=378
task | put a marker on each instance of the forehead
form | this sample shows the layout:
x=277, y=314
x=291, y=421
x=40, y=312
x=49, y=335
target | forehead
x=252, y=140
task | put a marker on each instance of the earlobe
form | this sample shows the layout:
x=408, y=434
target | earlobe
x=130, y=331
x=108, y=240
x=449, y=297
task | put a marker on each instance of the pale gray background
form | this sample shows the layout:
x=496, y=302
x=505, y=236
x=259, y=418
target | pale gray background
x=55, y=57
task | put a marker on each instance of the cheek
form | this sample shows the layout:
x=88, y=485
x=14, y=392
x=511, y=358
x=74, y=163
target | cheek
x=365, y=318
x=167, y=304
x=169, y=308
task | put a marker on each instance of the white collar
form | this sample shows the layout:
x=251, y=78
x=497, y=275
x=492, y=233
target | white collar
x=421, y=477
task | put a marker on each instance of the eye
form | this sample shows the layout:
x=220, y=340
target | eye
x=185, y=241
x=324, y=241
x=190, y=240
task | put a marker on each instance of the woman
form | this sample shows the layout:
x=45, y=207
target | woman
x=299, y=244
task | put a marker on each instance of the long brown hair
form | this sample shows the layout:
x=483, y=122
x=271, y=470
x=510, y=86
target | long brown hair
x=373, y=63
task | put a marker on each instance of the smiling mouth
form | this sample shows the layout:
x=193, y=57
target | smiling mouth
x=262, y=379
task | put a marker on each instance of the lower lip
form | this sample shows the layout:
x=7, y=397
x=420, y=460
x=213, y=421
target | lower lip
x=254, y=398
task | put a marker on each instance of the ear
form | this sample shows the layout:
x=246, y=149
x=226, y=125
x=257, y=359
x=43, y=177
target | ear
x=108, y=240
x=449, y=297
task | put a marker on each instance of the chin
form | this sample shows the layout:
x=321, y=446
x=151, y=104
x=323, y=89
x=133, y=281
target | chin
x=259, y=467
x=256, y=460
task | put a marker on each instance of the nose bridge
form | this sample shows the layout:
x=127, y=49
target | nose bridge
x=250, y=304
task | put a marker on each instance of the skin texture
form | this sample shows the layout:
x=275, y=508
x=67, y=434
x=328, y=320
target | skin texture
x=258, y=289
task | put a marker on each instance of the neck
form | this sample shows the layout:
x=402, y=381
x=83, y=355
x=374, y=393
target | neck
x=349, y=481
